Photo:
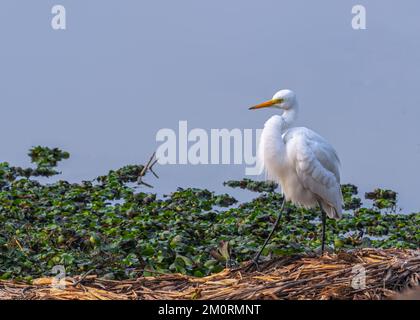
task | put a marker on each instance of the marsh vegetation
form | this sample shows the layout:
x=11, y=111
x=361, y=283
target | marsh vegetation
x=119, y=229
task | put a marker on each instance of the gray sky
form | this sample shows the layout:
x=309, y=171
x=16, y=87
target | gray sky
x=124, y=69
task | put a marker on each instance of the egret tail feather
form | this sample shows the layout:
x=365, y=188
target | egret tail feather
x=331, y=211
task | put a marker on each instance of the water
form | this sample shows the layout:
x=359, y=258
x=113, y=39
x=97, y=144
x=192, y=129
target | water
x=102, y=90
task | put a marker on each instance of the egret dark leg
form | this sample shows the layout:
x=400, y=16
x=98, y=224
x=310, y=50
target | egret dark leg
x=324, y=220
x=257, y=256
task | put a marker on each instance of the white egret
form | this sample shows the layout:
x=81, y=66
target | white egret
x=304, y=163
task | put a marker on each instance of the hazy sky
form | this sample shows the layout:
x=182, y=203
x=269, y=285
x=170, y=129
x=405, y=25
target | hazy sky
x=124, y=69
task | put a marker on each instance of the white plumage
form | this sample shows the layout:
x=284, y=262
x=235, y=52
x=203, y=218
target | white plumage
x=304, y=163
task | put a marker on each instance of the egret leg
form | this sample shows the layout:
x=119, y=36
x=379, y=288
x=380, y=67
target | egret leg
x=324, y=220
x=257, y=256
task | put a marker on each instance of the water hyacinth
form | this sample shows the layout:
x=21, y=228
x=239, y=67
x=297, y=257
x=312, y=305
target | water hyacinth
x=113, y=227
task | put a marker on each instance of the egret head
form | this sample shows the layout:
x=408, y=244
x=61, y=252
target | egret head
x=283, y=99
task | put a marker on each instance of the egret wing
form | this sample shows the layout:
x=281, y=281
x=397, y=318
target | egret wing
x=317, y=166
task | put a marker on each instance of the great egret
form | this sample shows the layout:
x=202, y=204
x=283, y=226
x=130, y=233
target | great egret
x=303, y=162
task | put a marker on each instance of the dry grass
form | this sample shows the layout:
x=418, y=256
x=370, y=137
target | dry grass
x=328, y=277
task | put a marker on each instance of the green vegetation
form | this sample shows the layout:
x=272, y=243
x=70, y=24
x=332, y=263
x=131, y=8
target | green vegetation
x=111, y=227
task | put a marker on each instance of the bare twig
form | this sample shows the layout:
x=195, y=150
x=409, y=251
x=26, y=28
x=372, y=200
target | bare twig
x=148, y=167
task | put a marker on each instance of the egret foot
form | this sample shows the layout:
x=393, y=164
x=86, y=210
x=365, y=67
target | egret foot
x=253, y=263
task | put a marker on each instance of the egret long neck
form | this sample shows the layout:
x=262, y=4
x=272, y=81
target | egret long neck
x=288, y=117
x=271, y=149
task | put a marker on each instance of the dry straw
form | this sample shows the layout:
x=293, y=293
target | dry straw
x=332, y=276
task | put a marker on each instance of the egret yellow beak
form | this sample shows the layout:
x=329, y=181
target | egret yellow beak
x=266, y=104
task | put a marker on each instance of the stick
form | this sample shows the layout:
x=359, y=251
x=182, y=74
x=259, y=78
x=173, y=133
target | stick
x=148, y=167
